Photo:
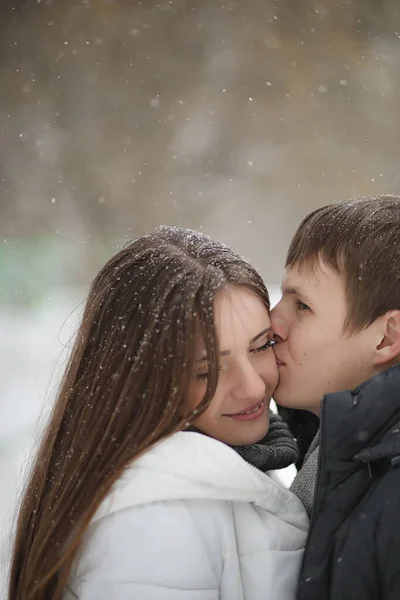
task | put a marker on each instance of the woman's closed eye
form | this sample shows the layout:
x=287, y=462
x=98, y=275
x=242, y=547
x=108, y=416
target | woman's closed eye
x=201, y=376
x=204, y=375
x=268, y=344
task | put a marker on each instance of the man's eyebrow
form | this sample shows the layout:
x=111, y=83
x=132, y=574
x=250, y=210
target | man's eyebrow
x=227, y=352
x=292, y=290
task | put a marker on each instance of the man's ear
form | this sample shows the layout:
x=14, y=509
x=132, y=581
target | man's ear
x=388, y=349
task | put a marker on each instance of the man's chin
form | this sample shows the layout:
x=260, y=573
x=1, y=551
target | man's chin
x=280, y=397
x=296, y=403
x=287, y=400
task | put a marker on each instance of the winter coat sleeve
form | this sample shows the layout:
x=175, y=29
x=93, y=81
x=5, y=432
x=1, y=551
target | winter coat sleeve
x=157, y=551
x=388, y=540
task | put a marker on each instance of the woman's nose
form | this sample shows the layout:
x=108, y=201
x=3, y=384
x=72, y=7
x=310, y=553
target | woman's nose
x=249, y=384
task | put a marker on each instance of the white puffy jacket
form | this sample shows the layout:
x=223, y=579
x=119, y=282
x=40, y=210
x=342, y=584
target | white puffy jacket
x=191, y=520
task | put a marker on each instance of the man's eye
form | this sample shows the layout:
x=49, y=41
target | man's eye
x=268, y=344
x=302, y=306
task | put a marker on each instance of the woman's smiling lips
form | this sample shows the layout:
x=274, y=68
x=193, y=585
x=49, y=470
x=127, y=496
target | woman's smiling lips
x=250, y=413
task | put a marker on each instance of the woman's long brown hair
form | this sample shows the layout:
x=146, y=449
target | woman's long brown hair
x=123, y=390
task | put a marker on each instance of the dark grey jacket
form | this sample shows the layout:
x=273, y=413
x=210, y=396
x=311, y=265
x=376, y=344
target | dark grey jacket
x=353, y=548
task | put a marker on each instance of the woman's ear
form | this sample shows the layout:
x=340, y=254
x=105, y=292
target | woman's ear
x=388, y=349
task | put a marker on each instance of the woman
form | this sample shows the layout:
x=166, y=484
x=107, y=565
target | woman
x=149, y=483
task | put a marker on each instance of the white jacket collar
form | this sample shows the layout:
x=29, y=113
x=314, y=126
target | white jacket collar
x=190, y=465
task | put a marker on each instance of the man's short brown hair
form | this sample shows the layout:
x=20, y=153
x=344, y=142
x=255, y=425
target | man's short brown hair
x=359, y=240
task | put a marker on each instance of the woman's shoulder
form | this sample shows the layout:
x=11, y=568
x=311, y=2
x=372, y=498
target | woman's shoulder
x=154, y=543
x=191, y=466
x=182, y=536
x=169, y=504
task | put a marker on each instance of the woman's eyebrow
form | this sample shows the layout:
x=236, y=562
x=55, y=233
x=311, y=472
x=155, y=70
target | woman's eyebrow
x=222, y=353
x=263, y=332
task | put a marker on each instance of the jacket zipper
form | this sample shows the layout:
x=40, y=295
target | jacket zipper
x=237, y=549
x=278, y=484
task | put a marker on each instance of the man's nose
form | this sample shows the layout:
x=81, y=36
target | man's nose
x=279, y=326
x=277, y=338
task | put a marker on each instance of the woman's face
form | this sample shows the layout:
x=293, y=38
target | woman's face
x=238, y=413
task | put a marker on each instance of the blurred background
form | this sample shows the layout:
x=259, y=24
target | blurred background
x=232, y=117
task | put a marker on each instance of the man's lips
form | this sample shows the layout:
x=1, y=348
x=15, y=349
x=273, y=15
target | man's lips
x=279, y=361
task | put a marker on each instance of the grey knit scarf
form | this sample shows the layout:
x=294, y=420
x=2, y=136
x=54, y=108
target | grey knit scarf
x=276, y=450
x=303, y=485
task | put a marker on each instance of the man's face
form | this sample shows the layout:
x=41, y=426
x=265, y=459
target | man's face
x=314, y=353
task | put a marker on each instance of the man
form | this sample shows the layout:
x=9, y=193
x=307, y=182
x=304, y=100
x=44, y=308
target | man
x=337, y=325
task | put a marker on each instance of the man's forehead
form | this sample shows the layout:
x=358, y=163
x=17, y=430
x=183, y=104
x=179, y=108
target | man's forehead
x=306, y=278
x=294, y=278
